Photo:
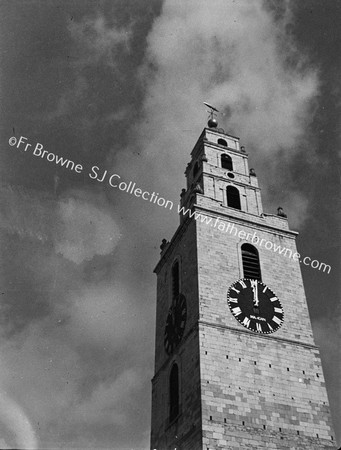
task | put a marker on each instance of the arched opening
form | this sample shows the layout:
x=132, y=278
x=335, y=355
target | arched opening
x=226, y=162
x=174, y=393
x=250, y=258
x=233, y=197
x=175, y=279
x=222, y=142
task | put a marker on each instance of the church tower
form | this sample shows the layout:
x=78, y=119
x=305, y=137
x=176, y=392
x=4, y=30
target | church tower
x=236, y=366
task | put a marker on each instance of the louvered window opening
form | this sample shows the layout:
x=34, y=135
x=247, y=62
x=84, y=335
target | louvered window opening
x=251, y=265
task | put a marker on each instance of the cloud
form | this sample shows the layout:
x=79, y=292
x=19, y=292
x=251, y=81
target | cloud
x=72, y=323
x=235, y=56
x=15, y=420
x=95, y=46
x=97, y=41
x=4, y=445
x=69, y=99
x=39, y=368
x=108, y=402
x=106, y=316
x=230, y=56
x=80, y=226
x=86, y=230
x=28, y=214
x=84, y=365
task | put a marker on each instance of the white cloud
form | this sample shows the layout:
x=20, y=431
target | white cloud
x=228, y=54
x=15, y=420
x=86, y=230
x=79, y=224
x=235, y=56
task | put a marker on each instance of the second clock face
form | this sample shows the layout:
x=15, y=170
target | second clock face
x=255, y=306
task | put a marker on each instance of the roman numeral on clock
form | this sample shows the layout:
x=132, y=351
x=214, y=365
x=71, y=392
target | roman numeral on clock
x=241, y=282
x=259, y=327
x=277, y=320
x=246, y=322
x=236, y=311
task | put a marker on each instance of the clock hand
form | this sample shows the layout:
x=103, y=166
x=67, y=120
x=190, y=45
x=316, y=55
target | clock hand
x=254, y=286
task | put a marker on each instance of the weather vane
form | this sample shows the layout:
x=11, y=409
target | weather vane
x=212, y=121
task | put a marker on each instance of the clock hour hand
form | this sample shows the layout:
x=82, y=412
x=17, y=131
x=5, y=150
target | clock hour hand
x=254, y=286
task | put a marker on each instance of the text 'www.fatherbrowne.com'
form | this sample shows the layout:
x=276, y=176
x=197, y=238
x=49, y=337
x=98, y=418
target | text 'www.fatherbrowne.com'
x=114, y=181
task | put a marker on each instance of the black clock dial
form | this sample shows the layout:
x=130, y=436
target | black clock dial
x=255, y=306
x=175, y=323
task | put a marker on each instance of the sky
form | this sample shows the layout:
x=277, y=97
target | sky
x=120, y=85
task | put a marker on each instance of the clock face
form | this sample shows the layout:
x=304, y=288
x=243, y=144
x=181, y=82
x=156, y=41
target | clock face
x=175, y=323
x=255, y=306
